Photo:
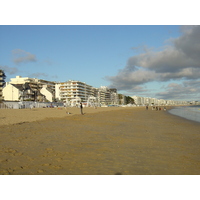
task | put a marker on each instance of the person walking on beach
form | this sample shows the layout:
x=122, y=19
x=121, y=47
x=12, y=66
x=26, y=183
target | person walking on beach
x=81, y=107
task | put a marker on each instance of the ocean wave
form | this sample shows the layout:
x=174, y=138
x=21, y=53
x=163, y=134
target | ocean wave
x=187, y=112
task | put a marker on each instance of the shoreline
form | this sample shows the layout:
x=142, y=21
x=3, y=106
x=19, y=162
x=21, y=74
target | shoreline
x=186, y=113
x=127, y=141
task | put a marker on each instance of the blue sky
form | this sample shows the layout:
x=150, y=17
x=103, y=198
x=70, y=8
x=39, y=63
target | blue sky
x=136, y=59
x=156, y=61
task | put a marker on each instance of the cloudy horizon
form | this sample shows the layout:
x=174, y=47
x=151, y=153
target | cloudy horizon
x=177, y=63
x=161, y=62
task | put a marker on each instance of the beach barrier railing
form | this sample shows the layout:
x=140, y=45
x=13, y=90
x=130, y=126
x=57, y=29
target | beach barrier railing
x=28, y=105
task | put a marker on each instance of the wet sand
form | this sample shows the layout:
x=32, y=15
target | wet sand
x=103, y=141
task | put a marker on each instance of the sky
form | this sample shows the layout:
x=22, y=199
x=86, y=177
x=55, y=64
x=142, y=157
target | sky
x=158, y=61
x=152, y=57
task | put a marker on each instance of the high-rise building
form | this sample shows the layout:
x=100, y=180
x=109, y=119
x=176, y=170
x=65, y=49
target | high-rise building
x=108, y=96
x=81, y=92
x=2, y=82
x=71, y=90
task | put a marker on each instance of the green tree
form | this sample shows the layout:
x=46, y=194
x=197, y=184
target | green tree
x=120, y=97
x=129, y=100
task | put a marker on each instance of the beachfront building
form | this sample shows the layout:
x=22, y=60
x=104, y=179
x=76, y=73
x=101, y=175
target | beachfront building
x=104, y=95
x=138, y=100
x=108, y=96
x=21, y=92
x=47, y=89
x=29, y=89
x=162, y=102
x=11, y=93
x=48, y=92
x=114, y=96
x=2, y=82
x=153, y=101
x=193, y=102
x=141, y=101
x=72, y=90
x=147, y=101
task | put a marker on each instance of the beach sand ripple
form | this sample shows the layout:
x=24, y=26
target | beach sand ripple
x=121, y=141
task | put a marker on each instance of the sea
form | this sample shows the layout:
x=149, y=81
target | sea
x=187, y=112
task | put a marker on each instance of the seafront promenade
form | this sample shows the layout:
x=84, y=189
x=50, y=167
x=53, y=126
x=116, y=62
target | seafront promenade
x=112, y=140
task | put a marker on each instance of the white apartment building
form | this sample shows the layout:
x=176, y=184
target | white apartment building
x=114, y=98
x=22, y=92
x=77, y=91
x=33, y=89
x=70, y=90
x=37, y=83
x=138, y=100
x=12, y=93
x=25, y=88
x=156, y=102
x=107, y=95
x=48, y=93
x=104, y=95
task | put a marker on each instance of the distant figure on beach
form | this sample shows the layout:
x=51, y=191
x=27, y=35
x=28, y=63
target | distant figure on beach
x=81, y=107
x=164, y=108
x=146, y=107
x=156, y=108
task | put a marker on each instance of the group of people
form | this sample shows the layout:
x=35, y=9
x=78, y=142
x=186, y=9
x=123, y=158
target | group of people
x=153, y=108
x=156, y=108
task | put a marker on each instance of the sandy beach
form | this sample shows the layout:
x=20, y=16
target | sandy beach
x=103, y=141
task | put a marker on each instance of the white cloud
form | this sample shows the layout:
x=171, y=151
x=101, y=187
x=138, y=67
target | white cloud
x=21, y=56
x=38, y=74
x=9, y=70
x=186, y=90
x=178, y=61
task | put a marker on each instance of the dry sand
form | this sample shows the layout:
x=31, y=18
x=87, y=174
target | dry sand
x=125, y=141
